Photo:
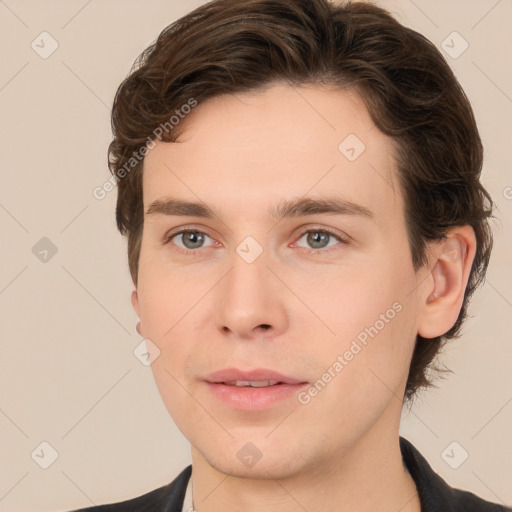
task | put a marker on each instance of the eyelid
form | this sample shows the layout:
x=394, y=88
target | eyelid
x=178, y=231
x=298, y=234
x=302, y=230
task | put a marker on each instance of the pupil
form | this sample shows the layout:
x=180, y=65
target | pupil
x=194, y=238
x=317, y=238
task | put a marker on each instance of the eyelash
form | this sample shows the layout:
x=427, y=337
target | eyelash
x=194, y=252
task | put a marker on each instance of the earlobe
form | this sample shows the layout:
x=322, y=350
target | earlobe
x=453, y=259
x=432, y=297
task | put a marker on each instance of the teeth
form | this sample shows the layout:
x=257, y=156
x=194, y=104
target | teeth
x=252, y=383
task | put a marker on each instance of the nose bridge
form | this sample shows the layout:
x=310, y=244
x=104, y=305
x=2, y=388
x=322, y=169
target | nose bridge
x=248, y=297
x=248, y=262
x=248, y=279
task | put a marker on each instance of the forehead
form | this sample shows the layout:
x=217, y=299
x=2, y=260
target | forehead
x=243, y=150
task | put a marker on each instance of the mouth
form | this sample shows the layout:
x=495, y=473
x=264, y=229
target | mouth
x=254, y=390
x=259, y=377
x=252, y=384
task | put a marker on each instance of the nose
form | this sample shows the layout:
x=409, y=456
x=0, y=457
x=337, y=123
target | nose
x=250, y=301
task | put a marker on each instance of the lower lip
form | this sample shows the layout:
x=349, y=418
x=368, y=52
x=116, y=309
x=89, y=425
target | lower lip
x=254, y=399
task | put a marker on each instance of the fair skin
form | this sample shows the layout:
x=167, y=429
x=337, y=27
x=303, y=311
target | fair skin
x=296, y=307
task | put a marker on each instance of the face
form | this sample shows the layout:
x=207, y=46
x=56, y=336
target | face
x=299, y=264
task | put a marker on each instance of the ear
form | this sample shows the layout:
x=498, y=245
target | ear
x=135, y=302
x=451, y=263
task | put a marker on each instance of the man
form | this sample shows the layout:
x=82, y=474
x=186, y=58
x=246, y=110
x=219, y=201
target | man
x=299, y=184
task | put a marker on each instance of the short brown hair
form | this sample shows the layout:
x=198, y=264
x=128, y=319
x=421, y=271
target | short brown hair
x=233, y=46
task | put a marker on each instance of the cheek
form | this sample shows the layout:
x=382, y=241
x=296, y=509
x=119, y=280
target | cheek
x=366, y=370
x=166, y=296
x=374, y=342
x=373, y=318
x=350, y=299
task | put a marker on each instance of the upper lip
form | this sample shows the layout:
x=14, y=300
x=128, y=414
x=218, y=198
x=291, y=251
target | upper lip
x=258, y=374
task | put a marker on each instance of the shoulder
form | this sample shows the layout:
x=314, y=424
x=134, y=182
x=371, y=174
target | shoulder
x=435, y=494
x=168, y=498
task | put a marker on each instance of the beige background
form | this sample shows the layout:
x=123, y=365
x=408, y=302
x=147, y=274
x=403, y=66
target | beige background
x=68, y=375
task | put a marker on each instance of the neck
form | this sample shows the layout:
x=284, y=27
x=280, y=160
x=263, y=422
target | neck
x=369, y=476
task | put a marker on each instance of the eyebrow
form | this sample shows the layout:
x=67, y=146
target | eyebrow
x=297, y=208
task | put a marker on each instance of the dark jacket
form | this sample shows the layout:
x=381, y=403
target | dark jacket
x=435, y=494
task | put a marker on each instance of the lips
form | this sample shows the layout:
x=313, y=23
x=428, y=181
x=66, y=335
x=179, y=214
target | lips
x=259, y=376
x=254, y=390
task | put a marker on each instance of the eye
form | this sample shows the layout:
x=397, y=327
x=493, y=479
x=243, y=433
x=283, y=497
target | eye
x=320, y=239
x=188, y=240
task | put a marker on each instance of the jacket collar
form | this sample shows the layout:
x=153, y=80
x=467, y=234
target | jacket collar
x=434, y=493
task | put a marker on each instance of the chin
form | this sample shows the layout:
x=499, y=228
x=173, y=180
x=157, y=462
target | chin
x=270, y=467
x=254, y=455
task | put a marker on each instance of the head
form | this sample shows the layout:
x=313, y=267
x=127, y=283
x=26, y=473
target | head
x=247, y=107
